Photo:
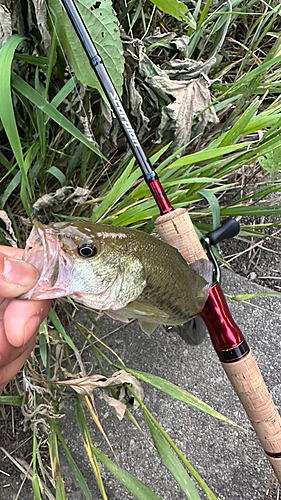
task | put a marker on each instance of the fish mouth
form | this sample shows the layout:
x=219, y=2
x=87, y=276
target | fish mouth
x=43, y=251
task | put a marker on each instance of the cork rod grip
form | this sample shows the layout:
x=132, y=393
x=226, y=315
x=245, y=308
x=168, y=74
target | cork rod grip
x=176, y=228
x=248, y=383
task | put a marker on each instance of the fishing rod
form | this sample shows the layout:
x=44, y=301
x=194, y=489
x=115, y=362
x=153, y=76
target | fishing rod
x=176, y=228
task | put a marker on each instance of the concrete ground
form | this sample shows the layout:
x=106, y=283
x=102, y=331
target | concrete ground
x=229, y=459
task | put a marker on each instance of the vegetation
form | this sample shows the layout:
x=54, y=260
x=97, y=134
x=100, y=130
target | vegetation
x=58, y=139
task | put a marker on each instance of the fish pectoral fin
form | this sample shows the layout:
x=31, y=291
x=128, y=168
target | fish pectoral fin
x=118, y=315
x=148, y=315
x=141, y=308
x=147, y=327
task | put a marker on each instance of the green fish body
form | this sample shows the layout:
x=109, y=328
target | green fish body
x=125, y=272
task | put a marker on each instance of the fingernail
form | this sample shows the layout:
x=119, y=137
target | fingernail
x=19, y=273
x=30, y=327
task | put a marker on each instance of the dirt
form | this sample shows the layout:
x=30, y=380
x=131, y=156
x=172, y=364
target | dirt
x=256, y=258
x=259, y=261
x=18, y=443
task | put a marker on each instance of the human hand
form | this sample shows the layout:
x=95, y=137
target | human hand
x=19, y=319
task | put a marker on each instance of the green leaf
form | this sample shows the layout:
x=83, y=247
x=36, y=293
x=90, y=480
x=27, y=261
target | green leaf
x=39, y=101
x=5, y=162
x=272, y=161
x=176, y=9
x=176, y=392
x=101, y=23
x=171, y=461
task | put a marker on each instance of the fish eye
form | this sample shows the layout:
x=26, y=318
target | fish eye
x=87, y=250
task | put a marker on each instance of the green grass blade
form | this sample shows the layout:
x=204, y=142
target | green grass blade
x=36, y=482
x=174, y=447
x=254, y=210
x=171, y=461
x=7, y=114
x=76, y=471
x=37, y=487
x=5, y=162
x=39, y=101
x=248, y=296
x=57, y=324
x=40, y=117
x=35, y=60
x=154, y=158
x=207, y=154
x=136, y=487
x=43, y=348
x=11, y=400
x=56, y=172
x=60, y=491
x=64, y=92
x=55, y=464
x=10, y=188
x=125, y=182
x=51, y=61
x=238, y=128
x=251, y=75
x=262, y=121
x=214, y=204
x=176, y=392
x=191, y=180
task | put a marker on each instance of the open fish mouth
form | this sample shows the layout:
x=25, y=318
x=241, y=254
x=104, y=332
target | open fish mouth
x=43, y=251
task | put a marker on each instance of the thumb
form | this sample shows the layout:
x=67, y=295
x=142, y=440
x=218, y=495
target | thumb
x=16, y=276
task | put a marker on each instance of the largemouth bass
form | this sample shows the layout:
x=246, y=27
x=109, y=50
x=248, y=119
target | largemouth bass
x=125, y=272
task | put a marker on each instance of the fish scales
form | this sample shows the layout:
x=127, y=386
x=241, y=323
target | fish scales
x=125, y=272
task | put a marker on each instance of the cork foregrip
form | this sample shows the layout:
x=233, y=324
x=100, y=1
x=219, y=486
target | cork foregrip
x=176, y=228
